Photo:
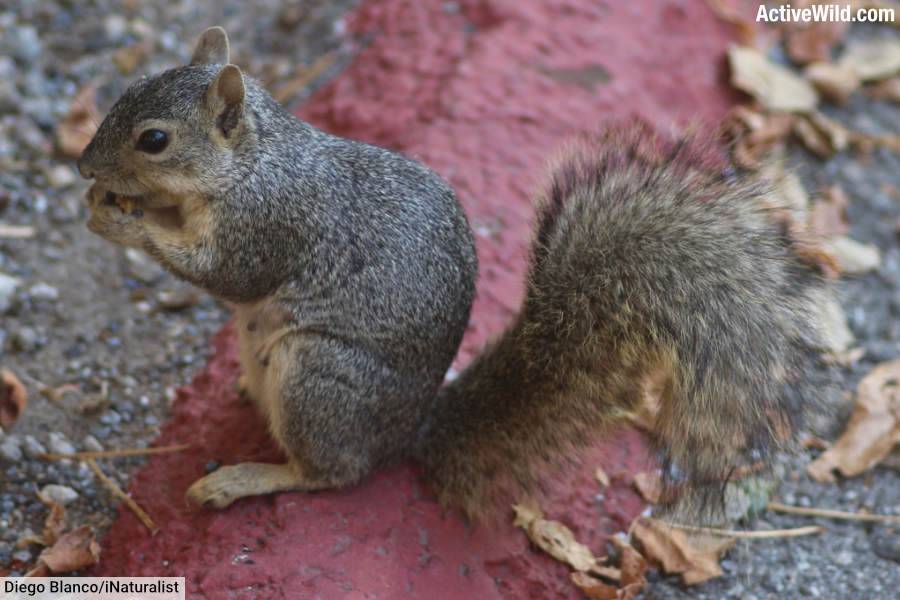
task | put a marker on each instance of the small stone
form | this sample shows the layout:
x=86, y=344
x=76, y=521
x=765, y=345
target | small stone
x=59, y=444
x=33, y=448
x=844, y=558
x=24, y=339
x=10, y=449
x=91, y=444
x=8, y=287
x=142, y=267
x=43, y=291
x=885, y=540
x=22, y=43
x=23, y=555
x=115, y=27
x=61, y=176
x=60, y=494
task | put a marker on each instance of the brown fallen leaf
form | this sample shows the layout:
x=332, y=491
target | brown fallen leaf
x=55, y=523
x=554, y=538
x=13, y=398
x=835, y=133
x=594, y=588
x=872, y=59
x=813, y=139
x=873, y=429
x=773, y=86
x=814, y=42
x=632, y=565
x=694, y=556
x=854, y=258
x=74, y=550
x=888, y=89
x=649, y=486
x=834, y=82
x=77, y=128
x=632, y=568
x=828, y=214
x=756, y=134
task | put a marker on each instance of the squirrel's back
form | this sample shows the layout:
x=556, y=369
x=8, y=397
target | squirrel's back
x=652, y=262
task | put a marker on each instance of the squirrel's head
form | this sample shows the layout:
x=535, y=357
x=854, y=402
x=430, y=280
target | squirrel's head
x=174, y=133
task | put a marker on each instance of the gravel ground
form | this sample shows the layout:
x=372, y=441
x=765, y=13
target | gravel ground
x=101, y=321
x=108, y=324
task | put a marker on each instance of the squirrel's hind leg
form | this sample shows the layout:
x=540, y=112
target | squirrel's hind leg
x=227, y=484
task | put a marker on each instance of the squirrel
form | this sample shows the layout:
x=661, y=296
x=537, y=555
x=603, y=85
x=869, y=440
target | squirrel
x=352, y=272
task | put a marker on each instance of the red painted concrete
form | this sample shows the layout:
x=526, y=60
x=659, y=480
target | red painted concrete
x=483, y=91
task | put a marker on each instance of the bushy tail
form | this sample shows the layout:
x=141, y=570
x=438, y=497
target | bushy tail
x=651, y=261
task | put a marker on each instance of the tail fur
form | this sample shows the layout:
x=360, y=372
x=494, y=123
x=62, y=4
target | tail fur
x=652, y=260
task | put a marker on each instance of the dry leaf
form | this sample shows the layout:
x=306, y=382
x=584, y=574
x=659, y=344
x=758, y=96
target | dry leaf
x=756, y=134
x=593, y=588
x=872, y=59
x=873, y=430
x=630, y=576
x=832, y=81
x=77, y=128
x=631, y=563
x=814, y=140
x=554, y=538
x=814, y=42
x=887, y=90
x=75, y=550
x=828, y=215
x=694, y=556
x=773, y=86
x=602, y=477
x=854, y=258
x=649, y=486
x=13, y=398
x=54, y=524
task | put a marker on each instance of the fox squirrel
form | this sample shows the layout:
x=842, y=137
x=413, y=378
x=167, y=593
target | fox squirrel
x=352, y=270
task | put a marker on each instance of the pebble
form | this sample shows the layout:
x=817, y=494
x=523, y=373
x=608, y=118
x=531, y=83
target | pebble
x=60, y=494
x=8, y=287
x=91, y=444
x=885, y=541
x=10, y=449
x=24, y=339
x=23, y=555
x=43, y=291
x=33, y=448
x=59, y=444
x=22, y=43
x=61, y=176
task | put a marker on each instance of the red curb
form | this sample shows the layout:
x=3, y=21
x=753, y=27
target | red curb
x=482, y=93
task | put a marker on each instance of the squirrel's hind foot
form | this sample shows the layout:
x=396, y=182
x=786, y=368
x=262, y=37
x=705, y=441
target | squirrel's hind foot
x=227, y=484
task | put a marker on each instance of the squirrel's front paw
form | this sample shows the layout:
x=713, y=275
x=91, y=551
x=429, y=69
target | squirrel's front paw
x=114, y=218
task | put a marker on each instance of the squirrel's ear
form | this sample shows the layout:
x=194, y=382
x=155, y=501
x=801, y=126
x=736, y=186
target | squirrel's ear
x=225, y=98
x=211, y=48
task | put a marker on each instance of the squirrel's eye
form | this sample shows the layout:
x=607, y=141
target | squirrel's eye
x=153, y=141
